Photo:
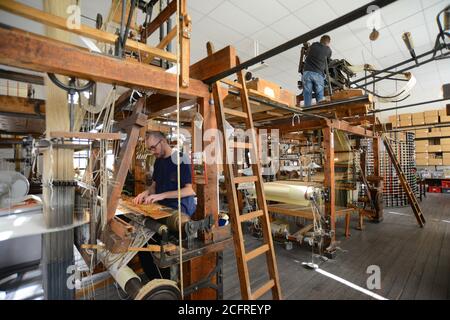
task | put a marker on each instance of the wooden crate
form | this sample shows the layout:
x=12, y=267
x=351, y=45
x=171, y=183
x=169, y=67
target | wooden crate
x=268, y=88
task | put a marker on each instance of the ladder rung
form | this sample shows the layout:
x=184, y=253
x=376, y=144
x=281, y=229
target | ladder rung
x=250, y=215
x=245, y=179
x=242, y=145
x=258, y=251
x=261, y=290
x=235, y=113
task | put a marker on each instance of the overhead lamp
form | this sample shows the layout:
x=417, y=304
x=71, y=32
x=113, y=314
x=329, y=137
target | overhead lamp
x=407, y=39
x=374, y=34
x=447, y=19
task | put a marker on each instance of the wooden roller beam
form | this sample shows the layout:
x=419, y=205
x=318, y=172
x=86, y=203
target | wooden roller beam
x=39, y=53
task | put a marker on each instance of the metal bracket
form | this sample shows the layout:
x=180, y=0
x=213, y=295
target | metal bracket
x=192, y=228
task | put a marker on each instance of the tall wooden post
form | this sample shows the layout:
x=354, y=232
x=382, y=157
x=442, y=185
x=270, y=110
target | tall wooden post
x=207, y=196
x=329, y=182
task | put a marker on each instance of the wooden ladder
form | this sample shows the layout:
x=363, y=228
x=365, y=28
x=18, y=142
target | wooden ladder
x=232, y=181
x=411, y=196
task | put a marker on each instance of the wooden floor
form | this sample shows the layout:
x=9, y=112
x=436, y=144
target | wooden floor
x=414, y=262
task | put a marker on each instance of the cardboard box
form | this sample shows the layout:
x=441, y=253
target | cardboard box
x=418, y=121
x=434, y=162
x=445, y=141
x=423, y=143
x=268, y=88
x=287, y=97
x=431, y=113
x=405, y=123
x=445, y=147
x=422, y=155
x=421, y=148
x=422, y=162
x=405, y=116
x=443, y=112
x=446, y=159
x=435, y=148
x=445, y=131
x=417, y=115
x=434, y=134
x=432, y=119
x=421, y=133
x=444, y=119
x=393, y=118
x=435, y=129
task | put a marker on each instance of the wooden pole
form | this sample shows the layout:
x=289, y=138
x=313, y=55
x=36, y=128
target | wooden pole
x=207, y=195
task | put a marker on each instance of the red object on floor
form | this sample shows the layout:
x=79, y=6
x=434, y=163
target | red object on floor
x=434, y=189
x=445, y=183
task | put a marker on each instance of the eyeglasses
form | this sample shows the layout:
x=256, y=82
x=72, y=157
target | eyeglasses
x=153, y=148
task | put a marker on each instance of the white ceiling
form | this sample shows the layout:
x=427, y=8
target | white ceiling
x=272, y=22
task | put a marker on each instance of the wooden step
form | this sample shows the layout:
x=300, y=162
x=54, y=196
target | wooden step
x=235, y=113
x=257, y=252
x=250, y=215
x=263, y=289
x=242, y=145
x=245, y=179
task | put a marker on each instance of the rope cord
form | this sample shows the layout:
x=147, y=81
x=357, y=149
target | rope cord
x=178, y=152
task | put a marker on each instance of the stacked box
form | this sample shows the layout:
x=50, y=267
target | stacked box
x=405, y=120
x=421, y=133
x=422, y=159
x=445, y=132
x=434, y=159
x=436, y=133
x=421, y=146
x=443, y=117
x=418, y=119
x=268, y=88
x=431, y=117
x=445, y=143
x=434, y=148
x=395, y=120
x=446, y=159
x=287, y=97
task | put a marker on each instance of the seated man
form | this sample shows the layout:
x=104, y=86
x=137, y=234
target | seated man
x=313, y=71
x=164, y=189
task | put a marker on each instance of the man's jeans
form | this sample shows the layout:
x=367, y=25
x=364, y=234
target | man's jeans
x=312, y=81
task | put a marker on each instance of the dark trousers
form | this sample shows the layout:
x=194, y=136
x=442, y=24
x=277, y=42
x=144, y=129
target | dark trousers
x=149, y=266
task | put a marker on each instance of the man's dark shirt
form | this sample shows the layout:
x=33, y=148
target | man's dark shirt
x=316, y=59
x=165, y=176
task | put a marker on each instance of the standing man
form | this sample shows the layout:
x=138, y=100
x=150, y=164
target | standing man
x=314, y=70
x=164, y=190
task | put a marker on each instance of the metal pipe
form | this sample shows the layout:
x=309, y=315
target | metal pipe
x=406, y=69
x=336, y=23
x=407, y=106
x=392, y=67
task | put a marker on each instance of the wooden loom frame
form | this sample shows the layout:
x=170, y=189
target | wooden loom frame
x=39, y=53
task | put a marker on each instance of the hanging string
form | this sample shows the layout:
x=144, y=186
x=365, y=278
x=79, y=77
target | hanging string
x=178, y=151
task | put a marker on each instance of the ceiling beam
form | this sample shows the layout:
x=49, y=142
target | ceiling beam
x=39, y=53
